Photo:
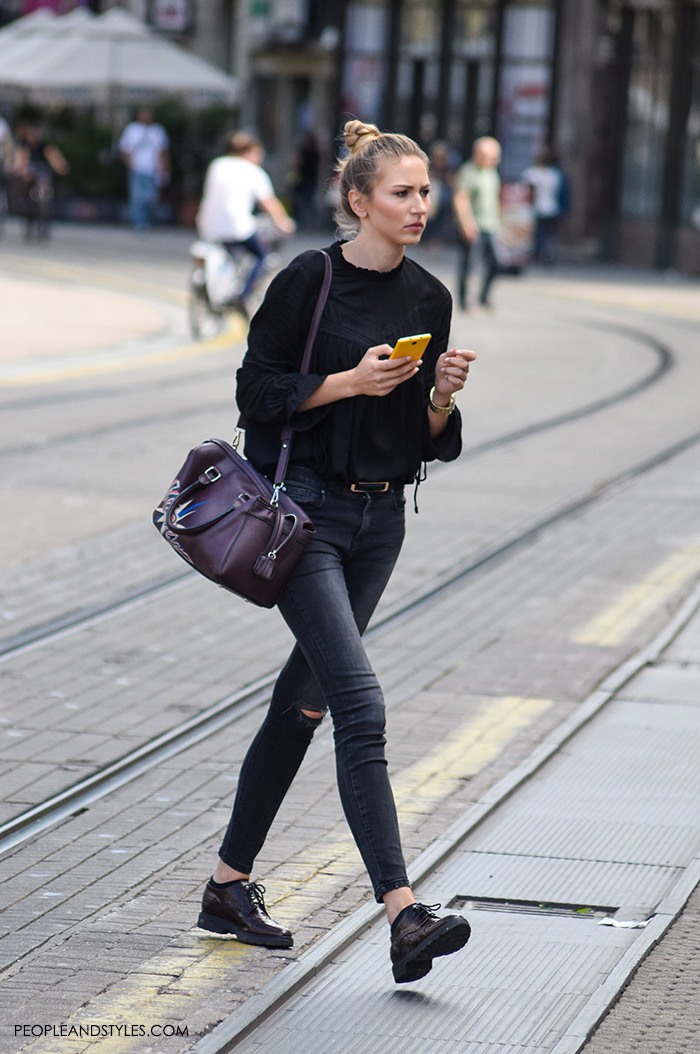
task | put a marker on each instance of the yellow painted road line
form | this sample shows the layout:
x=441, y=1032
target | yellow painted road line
x=97, y=278
x=105, y=363
x=467, y=751
x=616, y=622
x=416, y=792
x=164, y=987
x=95, y=366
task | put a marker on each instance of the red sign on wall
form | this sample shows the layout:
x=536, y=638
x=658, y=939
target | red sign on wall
x=171, y=16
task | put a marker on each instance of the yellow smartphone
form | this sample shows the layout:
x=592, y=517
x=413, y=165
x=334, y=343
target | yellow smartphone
x=413, y=346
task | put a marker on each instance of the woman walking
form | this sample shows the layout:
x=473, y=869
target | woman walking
x=364, y=424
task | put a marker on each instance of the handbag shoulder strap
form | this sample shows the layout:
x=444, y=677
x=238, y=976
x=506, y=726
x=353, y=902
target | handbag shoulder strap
x=318, y=311
x=288, y=431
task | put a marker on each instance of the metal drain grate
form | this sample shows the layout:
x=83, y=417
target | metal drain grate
x=532, y=907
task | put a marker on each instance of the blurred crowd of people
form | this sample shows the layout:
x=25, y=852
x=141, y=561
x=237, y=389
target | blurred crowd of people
x=465, y=207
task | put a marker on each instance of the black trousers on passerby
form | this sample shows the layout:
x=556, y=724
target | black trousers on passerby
x=489, y=261
x=545, y=231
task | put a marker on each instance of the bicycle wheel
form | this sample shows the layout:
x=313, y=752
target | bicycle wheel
x=205, y=322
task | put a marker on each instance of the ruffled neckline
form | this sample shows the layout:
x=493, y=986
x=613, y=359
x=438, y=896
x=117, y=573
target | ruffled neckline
x=364, y=272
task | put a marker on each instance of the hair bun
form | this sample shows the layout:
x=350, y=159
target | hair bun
x=358, y=134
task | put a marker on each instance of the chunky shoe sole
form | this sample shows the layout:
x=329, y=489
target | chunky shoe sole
x=445, y=940
x=215, y=924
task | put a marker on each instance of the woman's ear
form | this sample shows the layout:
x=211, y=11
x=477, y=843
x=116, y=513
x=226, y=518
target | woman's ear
x=356, y=202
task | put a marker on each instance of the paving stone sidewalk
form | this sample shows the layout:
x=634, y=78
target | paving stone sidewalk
x=120, y=884
x=610, y=819
x=83, y=699
x=148, y=919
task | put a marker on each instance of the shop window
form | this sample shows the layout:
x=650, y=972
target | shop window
x=366, y=30
x=418, y=74
x=648, y=104
x=473, y=73
x=690, y=195
x=420, y=26
x=526, y=78
x=471, y=95
x=475, y=29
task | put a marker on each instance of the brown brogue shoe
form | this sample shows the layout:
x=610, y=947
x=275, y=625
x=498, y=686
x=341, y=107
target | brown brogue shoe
x=239, y=908
x=418, y=936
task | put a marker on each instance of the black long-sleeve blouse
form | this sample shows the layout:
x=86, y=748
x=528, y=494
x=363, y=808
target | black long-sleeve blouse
x=363, y=438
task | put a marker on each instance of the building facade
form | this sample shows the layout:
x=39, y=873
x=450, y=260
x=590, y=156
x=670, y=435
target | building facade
x=612, y=85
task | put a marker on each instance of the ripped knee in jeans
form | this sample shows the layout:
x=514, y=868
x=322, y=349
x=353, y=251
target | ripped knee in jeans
x=306, y=716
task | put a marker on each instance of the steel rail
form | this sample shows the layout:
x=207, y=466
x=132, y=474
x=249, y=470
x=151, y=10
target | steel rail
x=45, y=632
x=664, y=363
x=77, y=797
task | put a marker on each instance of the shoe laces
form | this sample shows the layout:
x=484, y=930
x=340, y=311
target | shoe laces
x=426, y=912
x=256, y=891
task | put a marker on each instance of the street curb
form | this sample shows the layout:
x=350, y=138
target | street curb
x=242, y=1021
x=591, y=1014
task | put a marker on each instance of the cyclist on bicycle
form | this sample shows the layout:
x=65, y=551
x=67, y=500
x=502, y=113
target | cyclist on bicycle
x=234, y=186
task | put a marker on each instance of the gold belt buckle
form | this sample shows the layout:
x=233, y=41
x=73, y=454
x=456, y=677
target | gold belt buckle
x=370, y=488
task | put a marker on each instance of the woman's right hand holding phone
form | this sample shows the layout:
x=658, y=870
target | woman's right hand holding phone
x=377, y=374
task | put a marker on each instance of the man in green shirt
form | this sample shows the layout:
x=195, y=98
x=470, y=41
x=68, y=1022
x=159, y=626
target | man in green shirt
x=478, y=214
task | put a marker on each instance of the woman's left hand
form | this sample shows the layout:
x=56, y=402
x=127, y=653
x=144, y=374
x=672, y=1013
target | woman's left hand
x=451, y=371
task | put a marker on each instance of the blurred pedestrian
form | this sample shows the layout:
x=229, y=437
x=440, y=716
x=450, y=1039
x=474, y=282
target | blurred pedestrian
x=443, y=164
x=304, y=179
x=7, y=153
x=550, y=189
x=234, y=186
x=5, y=141
x=36, y=163
x=478, y=214
x=365, y=422
x=145, y=149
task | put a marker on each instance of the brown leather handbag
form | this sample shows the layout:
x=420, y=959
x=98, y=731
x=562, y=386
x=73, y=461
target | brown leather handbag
x=228, y=521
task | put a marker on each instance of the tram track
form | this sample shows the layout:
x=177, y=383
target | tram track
x=664, y=362
x=53, y=399
x=241, y=708
x=83, y=617
x=77, y=797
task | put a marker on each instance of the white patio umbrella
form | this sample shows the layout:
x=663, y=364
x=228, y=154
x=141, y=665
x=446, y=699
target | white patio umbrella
x=22, y=27
x=111, y=59
x=31, y=35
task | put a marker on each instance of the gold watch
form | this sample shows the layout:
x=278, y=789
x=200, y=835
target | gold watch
x=441, y=409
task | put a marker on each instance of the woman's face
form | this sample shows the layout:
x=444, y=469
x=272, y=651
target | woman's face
x=397, y=208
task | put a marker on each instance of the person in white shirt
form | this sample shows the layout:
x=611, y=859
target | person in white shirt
x=144, y=148
x=549, y=188
x=234, y=186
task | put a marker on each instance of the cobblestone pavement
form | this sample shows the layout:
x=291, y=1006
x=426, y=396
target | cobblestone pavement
x=658, y=1012
x=99, y=911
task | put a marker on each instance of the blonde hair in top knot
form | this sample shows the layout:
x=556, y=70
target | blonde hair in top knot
x=357, y=135
x=369, y=149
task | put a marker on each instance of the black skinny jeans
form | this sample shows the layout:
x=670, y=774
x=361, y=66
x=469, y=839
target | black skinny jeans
x=327, y=605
